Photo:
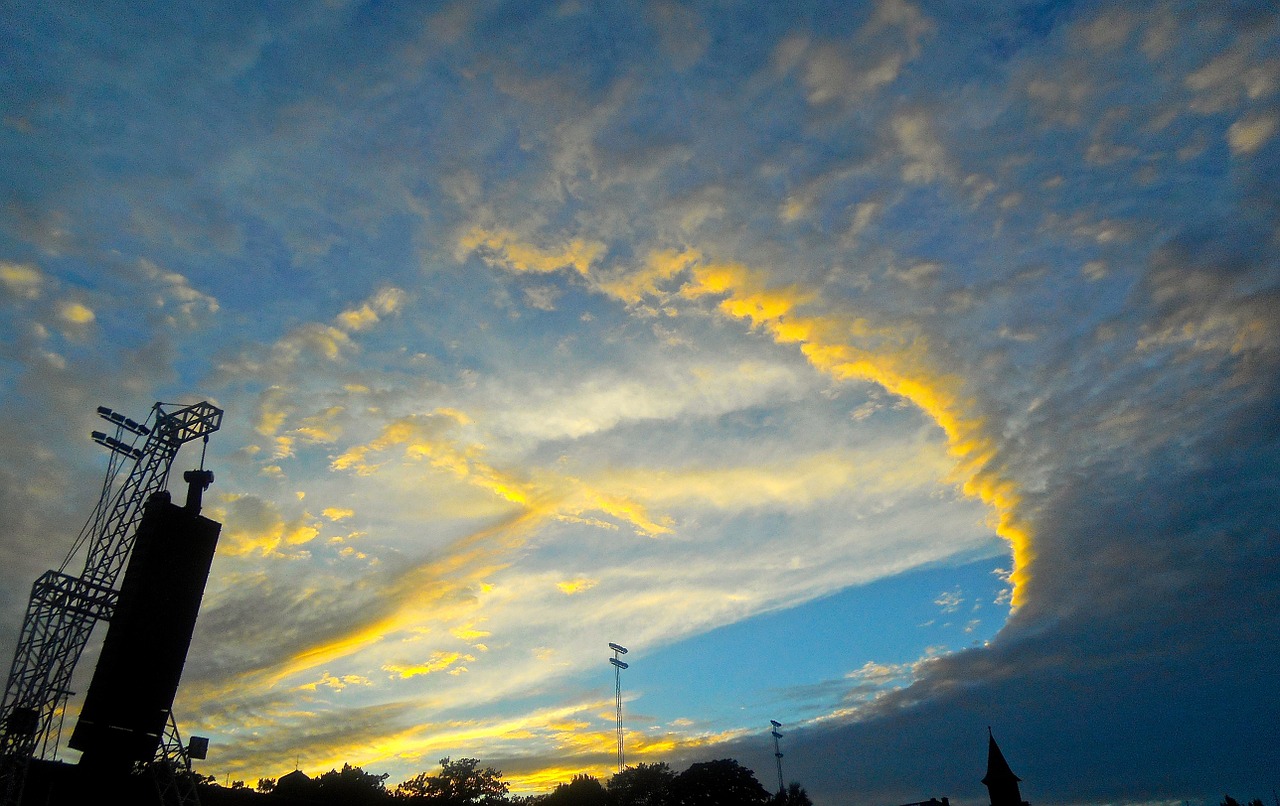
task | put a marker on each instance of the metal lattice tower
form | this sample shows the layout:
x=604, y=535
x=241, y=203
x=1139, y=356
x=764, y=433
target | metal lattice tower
x=64, y=609
x=777, y=753
x=618, y=666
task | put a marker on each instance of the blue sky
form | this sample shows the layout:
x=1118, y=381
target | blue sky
x=920, y=358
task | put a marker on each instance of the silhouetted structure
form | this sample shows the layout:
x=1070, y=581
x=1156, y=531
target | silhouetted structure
x=1000, y=780
x=294, y=784
x=63, y=610
x=131, y=694
x=618, y=666
x=777, y=753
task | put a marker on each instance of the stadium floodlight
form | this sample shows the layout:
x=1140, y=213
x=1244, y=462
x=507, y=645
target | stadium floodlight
x=618, y=666
x=120, y=421
x=777, y=752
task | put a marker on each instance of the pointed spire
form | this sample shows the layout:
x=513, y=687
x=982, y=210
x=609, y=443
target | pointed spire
x=997, y=768
x=1000, y=780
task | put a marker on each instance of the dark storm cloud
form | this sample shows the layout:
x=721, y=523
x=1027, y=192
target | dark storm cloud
x=1139, y=665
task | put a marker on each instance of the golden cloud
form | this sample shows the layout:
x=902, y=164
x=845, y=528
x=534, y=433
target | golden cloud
x=439, y=662
x=843, y=346
x=571, y=586
x=76, y=313
x=21, y=279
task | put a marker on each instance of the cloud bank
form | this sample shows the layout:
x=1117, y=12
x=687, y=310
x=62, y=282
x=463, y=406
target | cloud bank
x=539, y=327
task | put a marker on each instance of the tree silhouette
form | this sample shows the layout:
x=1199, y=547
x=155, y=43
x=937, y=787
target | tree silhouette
x=793, y=795
x=460, y=783
x=642, y=785
x=583, y=790
x=350, y=785
x=723, y=782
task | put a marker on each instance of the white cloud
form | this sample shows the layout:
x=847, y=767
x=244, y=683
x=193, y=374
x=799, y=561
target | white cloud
x=700, y=391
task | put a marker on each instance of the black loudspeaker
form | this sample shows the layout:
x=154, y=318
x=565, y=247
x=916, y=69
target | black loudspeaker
x=136, y=679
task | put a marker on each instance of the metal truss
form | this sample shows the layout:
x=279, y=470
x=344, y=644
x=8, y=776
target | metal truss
x=63, y=609
x=171, y=770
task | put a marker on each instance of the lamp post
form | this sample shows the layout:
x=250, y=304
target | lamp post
x=618, y=666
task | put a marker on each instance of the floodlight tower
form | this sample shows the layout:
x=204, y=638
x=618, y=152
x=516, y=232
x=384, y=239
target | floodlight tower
x=618, y=666
x=777, y=753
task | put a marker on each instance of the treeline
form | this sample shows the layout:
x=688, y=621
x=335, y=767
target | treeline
x=464, y=782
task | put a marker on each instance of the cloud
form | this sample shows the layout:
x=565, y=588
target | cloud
x=76, y=313
x=847, y=72
x=681, y=32
x=21, y=279
x=173, y=291
x=1107, y=31
x=609, y=401
x=1250, y=133
x=849, y=348
x=256, y=526
x=572, y=586
x=521, y=256
x=439, y=662
x=595, y=341
x=1199, y=287
x=336, y=683
x=315, y=340
x=1234, y=76
x=384, y=302
x=924, y=157
x=949, y=601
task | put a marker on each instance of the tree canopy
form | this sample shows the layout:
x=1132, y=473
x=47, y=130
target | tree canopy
x=642, y=785
x=793, y=795
x=583, y=790
x=350, y=785
x=723, y=782
x=465, y=782
x=460, y=783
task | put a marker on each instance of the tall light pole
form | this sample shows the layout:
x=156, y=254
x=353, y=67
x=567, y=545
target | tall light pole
x=777, y=753
x=618, y=666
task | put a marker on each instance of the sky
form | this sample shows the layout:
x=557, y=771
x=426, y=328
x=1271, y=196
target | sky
x=894, y=370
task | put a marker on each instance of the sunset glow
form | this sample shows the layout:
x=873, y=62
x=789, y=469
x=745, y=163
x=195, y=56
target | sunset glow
x=890, y=369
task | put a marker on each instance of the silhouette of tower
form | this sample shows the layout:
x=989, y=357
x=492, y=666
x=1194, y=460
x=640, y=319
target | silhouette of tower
x=618, y=666
x=1000, y=780
x=64, y=608
x=777, y=753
